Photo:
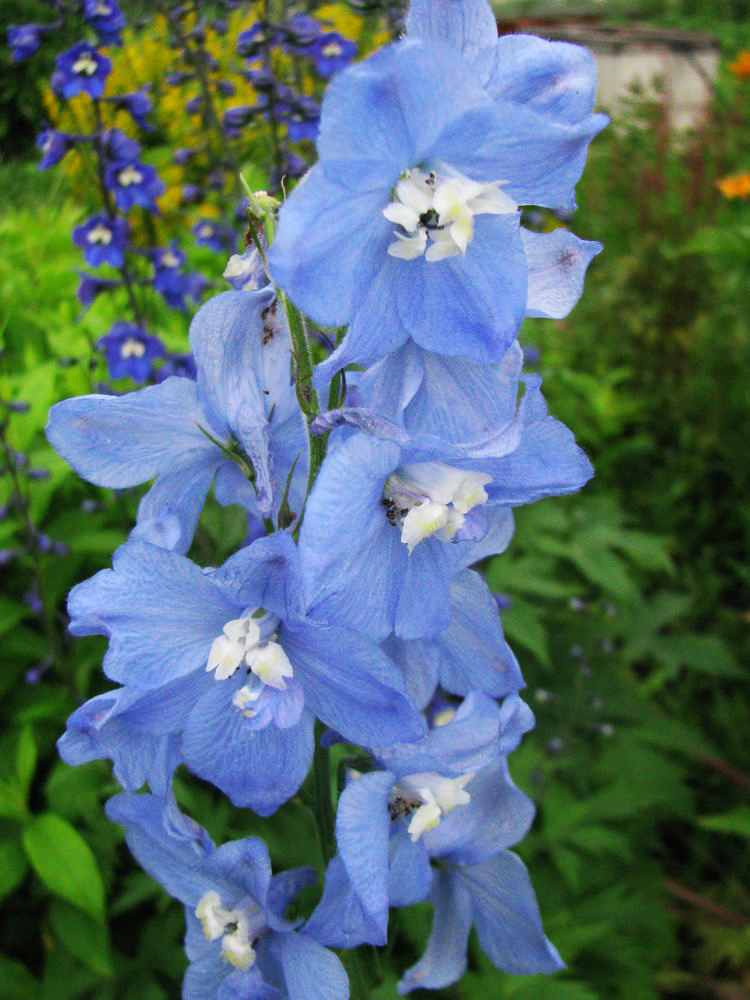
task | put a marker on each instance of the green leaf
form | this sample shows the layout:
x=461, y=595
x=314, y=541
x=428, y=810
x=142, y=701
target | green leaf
x=12, y=799
x=13, y=866
x=16, y=982
x=25, y=758
x=84, y=938
x=735, y=821
x=523, y=626
x=65, y=863
x=704, y=653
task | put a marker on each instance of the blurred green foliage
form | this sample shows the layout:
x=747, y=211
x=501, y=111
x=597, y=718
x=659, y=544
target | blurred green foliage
x=629, y=612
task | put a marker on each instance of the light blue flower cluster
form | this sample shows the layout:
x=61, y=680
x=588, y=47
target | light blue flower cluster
x=354, y=602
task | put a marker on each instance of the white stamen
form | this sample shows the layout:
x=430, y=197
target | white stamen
x=168, y=259
x=438, y=796
x=215, y=919
x=331, y=50
x=429, y=498
x=241, y=642
x=129, y=176
x=85, y=63
x=132, y=348
x=100, y=234
x=441, y=205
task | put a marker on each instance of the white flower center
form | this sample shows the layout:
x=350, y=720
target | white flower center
x=331, y=50
x=241, y=642
x=168, y=259
x=100, y=234
x=427, y=798
x=206, y=231
x=435, y=212
x=132, y=348
x=85, y=63
x=129, y=176
x=231, y=925
x=102, y=10
x=429, y=498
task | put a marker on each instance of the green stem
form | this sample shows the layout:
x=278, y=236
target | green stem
x=323, y=804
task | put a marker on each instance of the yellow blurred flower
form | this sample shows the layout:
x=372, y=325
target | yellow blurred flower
x=741, y=66
x=736, y=186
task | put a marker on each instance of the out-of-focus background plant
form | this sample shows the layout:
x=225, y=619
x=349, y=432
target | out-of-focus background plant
x=628, y=605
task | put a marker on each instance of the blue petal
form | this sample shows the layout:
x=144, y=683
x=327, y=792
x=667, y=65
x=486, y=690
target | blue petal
x=557, y=264
x=350, y=684
x=381, y=116
x=424, y=602
x=244, y=864
x=204, y=977
x=120, y=441
x=362, y=832
x=497, y=539
x=169, y=854
x=444, y=961
x=418, y=662
x=265, y=574
x=282, y=890
x=473, y=653
x=181, y=492
x=259, y=768
x=344, y=529
x=160, y=611
x=507, y=917
x=340, y=920
x=309, y=971
x=329, y=245
x=556, y=79
x=467, y=743
x=498, y=816
x=410, y=874
x=466, y=25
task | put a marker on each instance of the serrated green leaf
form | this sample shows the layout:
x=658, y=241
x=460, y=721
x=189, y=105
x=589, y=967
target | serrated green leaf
x=65, y=863
x=704, y=653
x=734, y=821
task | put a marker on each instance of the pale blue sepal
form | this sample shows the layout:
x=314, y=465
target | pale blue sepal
x=467, y=25
x=507, y=918
x=307, y=969
x=340, y=920
x=410, y=872
x=497, y=816
x=418, y=661
x=159, y=610
x=362, y=834
x=281, y=891
x=444, y=961
x=557, y=264
x=265, y=574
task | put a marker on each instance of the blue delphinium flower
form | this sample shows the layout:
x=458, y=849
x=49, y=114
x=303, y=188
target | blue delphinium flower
x=90, y=286
x=303, y=118
x=118, y=147
x=106, y=18
x=409, y=225
x=103, y=240
x=130, y=351
x=25, y=39
x=301, y=31
x=212, y=234
x=448, y=799
x=134, y=183
x=241, y=414
x=253, y=670
x=410, y=498
x=331, y=52
x=239, y=943
x=81, y=70
x=53, y=145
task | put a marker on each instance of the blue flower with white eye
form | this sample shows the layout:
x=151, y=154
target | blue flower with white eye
x=106, y=18
x=129, y=351
x=134, y=183
x=228, y=660
x=211, y=234
x=447, y=799
x=53, y=145
x=81, y=70
x=239, y=424
x=103, y=240
x=239, y=943
x=421, y=496
x=331, y=52
x=118, y=147
x=408, y=227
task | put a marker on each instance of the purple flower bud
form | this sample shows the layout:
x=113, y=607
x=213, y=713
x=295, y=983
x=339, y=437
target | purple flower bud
x=44, y=542
x=24, y=40
x=193, y=106
x=302, y=31
x=177, y=79
x=190, y=194
x=226, y=88
x=91, y=286
x=32, y=600
x=106, y=19
x=38, y=475
x=219, y=26
x=183, y=156
x=531, y=355
x=138, y=105
x=17, y=406
x=8, y=555
x=53, y=145
x=118, y=147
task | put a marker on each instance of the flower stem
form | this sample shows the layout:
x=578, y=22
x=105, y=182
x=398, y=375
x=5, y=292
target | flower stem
x=323, y=803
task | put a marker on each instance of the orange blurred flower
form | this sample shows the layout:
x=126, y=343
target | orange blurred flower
x=736, y=186
x=741, y=66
